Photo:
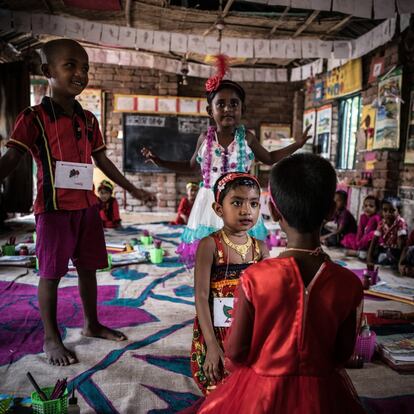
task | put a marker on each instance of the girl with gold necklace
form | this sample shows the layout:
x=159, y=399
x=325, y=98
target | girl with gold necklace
x=220, y=260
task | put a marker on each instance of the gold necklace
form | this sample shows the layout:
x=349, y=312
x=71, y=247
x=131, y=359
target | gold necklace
x=241, y=249
x=314, y=252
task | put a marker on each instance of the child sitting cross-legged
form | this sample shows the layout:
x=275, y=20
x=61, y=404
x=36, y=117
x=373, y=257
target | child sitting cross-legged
x=390, y=237
x=296, y=316
x=186, y=204
x=358, y=244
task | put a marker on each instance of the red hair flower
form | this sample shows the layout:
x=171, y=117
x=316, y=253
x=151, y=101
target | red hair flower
x=222, y=66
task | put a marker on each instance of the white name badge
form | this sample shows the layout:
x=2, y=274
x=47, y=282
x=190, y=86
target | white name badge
x=222, y=311
x=74, y=175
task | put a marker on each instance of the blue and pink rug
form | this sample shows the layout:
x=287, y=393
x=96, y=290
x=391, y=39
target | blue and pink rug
x=150, y=373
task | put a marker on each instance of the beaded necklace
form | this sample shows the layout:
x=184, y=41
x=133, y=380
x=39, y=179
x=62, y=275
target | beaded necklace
x=239, y=140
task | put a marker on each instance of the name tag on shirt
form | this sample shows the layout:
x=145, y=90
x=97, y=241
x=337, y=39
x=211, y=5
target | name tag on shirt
x=74, y=175
x=222, y=311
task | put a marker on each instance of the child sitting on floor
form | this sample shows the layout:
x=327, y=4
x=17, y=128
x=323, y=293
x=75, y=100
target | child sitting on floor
x=220, y=259
x=390, y=236
x=344, y=222
x=108, y=206
x=358, y=244
x=296, y=316
x=406, y=265
x=186, y=204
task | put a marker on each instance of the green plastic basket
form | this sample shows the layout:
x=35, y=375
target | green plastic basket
x=59, y=406
x=5, y=405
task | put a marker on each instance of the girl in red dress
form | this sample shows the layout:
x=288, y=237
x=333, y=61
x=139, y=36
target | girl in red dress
x=220, y=259
x=186, y=204
x=297, y=315
x=108, y=206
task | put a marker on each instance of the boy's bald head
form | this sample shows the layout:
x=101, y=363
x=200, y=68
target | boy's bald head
x=52, y=49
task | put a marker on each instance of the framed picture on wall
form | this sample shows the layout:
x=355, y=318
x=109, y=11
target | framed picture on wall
x=91, y=99
x=274, y=137
x=323, y=131
x=387, y=125
x=309, y=118
x=409, y=145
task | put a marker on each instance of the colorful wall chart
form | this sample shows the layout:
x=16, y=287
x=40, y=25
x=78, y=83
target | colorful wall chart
x=344, y=80
x=409, y=145
x=323, y=130
x=387, y=126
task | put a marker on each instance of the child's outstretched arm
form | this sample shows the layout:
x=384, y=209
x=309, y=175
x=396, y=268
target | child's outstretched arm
x=202, y=273
x=177, y=166
x=9, y=161
x=270, y=158
x=110, y=170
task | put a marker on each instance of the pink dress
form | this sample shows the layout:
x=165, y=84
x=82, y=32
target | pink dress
x=288, y=343
x=366, y=229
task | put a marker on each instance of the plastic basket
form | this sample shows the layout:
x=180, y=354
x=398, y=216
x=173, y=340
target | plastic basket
x=5, y=404
x=59, y=406
x=365, y=346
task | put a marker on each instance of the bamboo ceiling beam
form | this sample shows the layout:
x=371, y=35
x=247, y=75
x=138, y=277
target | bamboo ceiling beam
x=308, y=21
x=223, y=14
x=279, y=21
x=339, y=25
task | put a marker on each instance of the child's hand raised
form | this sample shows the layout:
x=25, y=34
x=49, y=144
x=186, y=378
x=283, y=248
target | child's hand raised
x=211, y=367
x=150, y=156
x=305, y=136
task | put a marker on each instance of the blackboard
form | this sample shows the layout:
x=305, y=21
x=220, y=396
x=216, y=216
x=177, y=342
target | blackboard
x=171, y=137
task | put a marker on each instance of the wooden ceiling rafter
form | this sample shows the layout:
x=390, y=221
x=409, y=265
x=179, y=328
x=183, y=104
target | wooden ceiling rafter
x=339, y=25
x=222, y=15
x=307, y=23
x=279, y=21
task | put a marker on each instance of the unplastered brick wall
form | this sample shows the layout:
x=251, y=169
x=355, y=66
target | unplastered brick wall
x=265, y=103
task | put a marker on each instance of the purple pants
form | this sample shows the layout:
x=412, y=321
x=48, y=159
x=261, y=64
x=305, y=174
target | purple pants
x=62, y=235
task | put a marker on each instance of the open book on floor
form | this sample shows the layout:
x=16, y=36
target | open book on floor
x=397, y=351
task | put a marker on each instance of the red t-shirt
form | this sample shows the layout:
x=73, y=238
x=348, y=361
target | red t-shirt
x=109, y=212
x=184, y=208
x=51, y=135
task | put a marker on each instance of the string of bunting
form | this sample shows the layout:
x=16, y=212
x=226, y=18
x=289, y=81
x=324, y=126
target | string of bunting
x=337, y=52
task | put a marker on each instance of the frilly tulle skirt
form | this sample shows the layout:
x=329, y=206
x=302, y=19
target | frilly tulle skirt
x=202, y=222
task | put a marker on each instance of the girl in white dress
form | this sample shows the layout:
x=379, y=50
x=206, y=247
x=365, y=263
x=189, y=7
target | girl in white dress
x=225, y=147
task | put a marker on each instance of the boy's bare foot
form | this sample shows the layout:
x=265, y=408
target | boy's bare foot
x=101, y=331
x=57, y=353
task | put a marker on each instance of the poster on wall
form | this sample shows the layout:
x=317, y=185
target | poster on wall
x=365, y=133
x=274, y=137
x=387, y=125
x=91, y=99
x=344, y=80
x=323, y=130
x=409, y=145
x=309, y=118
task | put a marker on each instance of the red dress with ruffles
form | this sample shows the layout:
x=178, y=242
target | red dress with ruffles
x=287, y=343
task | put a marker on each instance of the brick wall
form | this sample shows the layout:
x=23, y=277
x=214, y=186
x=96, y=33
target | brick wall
x=265, y=103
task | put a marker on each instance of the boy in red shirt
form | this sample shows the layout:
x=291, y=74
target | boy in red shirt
x=63, y=139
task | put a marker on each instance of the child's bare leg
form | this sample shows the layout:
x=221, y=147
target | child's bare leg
x=56, y=352
x=88, y=292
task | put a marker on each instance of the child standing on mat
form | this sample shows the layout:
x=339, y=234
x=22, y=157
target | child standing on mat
x=221, y=258
x=225, y=147
x=186, y=204
x=63, y=139
x=108, y=206
x=297, y=315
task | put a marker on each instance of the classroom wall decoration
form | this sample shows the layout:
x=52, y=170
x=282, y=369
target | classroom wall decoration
x=92, y=100
x=409, y=145
x=160, y=104
x=365, y=134
x=323, y=131
x=387, y=125
x=376, y=69
x=344, y=80
x=274, y=137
